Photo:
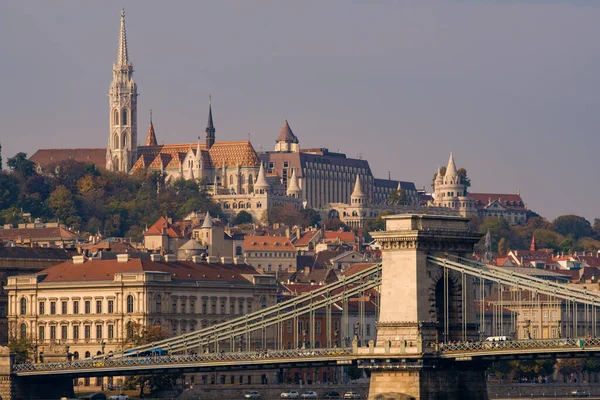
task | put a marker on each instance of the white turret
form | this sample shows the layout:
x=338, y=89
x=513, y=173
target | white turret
x=358, y=196
x=261, y=186
x=293, y=189
x=451, y=171
x=207, y=221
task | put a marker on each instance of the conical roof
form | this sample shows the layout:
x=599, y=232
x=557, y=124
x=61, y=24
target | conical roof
x=123, y=54
x=451, y=168
x=357, y=192
x=293, y=186
x=151, y=137
x=192, y=245
x=207, y=221
x=286, y=134
x=261, y=179
x=210, y=126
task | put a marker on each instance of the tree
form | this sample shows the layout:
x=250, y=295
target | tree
x=572, y=225
x=9, y=190
x=21, y=165
x=498, y=228
x=23, y=349
x=441, y=171
x=311, y=216
x=398, y=197
x=548, y=239
x=502, y=248
x=464, y=179
x=596, y=228
x=63, y=206
x=242, y=217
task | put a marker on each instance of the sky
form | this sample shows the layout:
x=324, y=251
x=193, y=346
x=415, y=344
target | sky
x=510, y=87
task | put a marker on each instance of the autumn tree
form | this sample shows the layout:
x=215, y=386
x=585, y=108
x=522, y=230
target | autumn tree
x=502, y=248
x=572, y=225
x=398, y=197
x=243, y=217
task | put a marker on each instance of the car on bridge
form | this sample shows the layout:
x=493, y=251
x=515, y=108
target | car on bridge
x=331, y=395
x=252, y=395
x=309, y=394
x=580, y=393
x=95, y=396
x=351, y=395
x=290, y=394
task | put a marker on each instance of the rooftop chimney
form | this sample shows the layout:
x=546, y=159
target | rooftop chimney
x=78, y=259
x=155, y=257
x=197, y=259
x=122, y=258
x=170, y=258
x=226, y=260
x=212, y=259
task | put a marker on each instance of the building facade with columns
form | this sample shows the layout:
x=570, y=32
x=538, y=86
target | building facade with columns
x=92, y=305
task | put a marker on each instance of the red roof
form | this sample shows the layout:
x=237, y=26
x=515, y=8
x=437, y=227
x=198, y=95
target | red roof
x=356, y=268
x=509, y=201
x=47, y=157
x=344, y=237
x=105, y=270
x=163, y=227
x=306, y=238
x=269, y=243
x=38, y=234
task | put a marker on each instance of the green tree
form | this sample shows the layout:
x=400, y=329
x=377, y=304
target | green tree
x=9, y=190
x=23, y=349
x=243, y=217
x=548, y=239
x=442, y=171
x=21, y=165
x=596, y=228
x=311, y=216
x=498, y=228
x=63, y=207
x=462, y=173
x=572, y=225
x=398, y=197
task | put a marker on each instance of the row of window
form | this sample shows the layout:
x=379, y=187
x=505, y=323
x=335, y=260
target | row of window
x=181, y=306
x=53, y=305
x=53, y=331
x=241, y=205
x=278, y=254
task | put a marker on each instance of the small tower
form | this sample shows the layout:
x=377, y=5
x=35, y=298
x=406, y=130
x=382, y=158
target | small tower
x=210, y=127
x=358, y=196
x=198, y=163
x=533, y=246
x=261, y=186
x=151, y=137
x=122, y=143
x=293, y=190
x=287, y=141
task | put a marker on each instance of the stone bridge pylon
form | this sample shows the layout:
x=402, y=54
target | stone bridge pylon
x=423, y=304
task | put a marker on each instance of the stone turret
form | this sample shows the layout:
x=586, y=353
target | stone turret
x=210, y=127
x=151, y=137
x=293, y=189
x=358, y=197
x=287, y=141
x=261, y=186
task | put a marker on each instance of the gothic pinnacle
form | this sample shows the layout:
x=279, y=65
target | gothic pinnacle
x=123, y=55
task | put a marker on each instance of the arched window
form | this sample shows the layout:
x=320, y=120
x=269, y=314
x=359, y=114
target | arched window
x=242, y=179
x=231, y=179
x=124, y=141
x=238, y=250
x=115, y=117
x=23, y=331
x=115, y=141
x=124, y=116
x=248, y=205
x=158, y=303
x=129, y=330
x=23, y=306
x=250, y=179
x=87, y=354
x=130, y=304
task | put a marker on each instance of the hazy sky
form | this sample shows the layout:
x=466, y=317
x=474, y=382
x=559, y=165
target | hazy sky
x=511, y=87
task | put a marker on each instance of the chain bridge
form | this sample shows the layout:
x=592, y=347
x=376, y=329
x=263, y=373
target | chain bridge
x=434, y=322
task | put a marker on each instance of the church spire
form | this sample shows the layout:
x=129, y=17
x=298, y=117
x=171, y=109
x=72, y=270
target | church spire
x=532, y=246
x=451, y=170
x=151, y=137
x=123, y=55
x=210, y=127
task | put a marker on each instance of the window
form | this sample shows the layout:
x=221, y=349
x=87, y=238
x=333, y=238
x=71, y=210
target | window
x=116, y=117
x=98, y=306
x=222, y=306
x=124, y=117
x=263, y=302
x=300, y=326
x=53, y=332
x=158, y=303
x=76, y=307
x=214, y=307
x=42, y=331
x=63, y=332
x=534, y=335
x=368, y=333
x=87, y=329
x=249, y=307
x=129, y=330
x=76, y=332
x=174, y=306
x=289, y=327
x=204, y=306
x=88, y=307
x=553, y=315
x=183, y=306
x=98, y=331
x=525, y=315
x=23, y=306
x=111, y=306
x=232, y=306
x=554, y=332
x=534, y=315
x=63, y=306
x=192, y=306
x=53, y=307
x=111, y=331
x=318, y=327
x=241, y=307
x=130, y=304
x=545, y=316
x=42, y=306
x=335, y=325
x=23, y=333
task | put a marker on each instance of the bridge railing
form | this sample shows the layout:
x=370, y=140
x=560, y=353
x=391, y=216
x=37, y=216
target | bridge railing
x=181, y=359
x=487, y=346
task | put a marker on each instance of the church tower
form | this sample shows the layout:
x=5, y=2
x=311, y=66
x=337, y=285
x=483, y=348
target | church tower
x=210, y=127
x=122, y=142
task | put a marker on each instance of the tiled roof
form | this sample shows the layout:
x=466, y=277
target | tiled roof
x=306, y=238
x=509, y=201
x=286, y=134
x=104, y=270
x=392, y=184
x=591, y=261
x=229, y=154
x=356, y=268
x=47, y=157
x=324, y=257
x=318, y=276
x=269, y=243
x=38, y=234
x=151, y=137
x=162, y=226
x=344, y=237
x=41, y=253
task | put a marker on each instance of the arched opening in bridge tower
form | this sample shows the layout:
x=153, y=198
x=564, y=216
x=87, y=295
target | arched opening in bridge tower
x=449, y=321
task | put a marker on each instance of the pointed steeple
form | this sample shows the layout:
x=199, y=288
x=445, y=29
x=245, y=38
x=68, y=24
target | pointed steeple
x=151, y=137
x=261, y=183
x=210, y=127
x=293, y=189
x=451, y=170
x=123, y=55
x=207, y=221
x=286, y=134
x=533, y=247
x=357, y=188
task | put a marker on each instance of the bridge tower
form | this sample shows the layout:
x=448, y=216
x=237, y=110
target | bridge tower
x=423, y=305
